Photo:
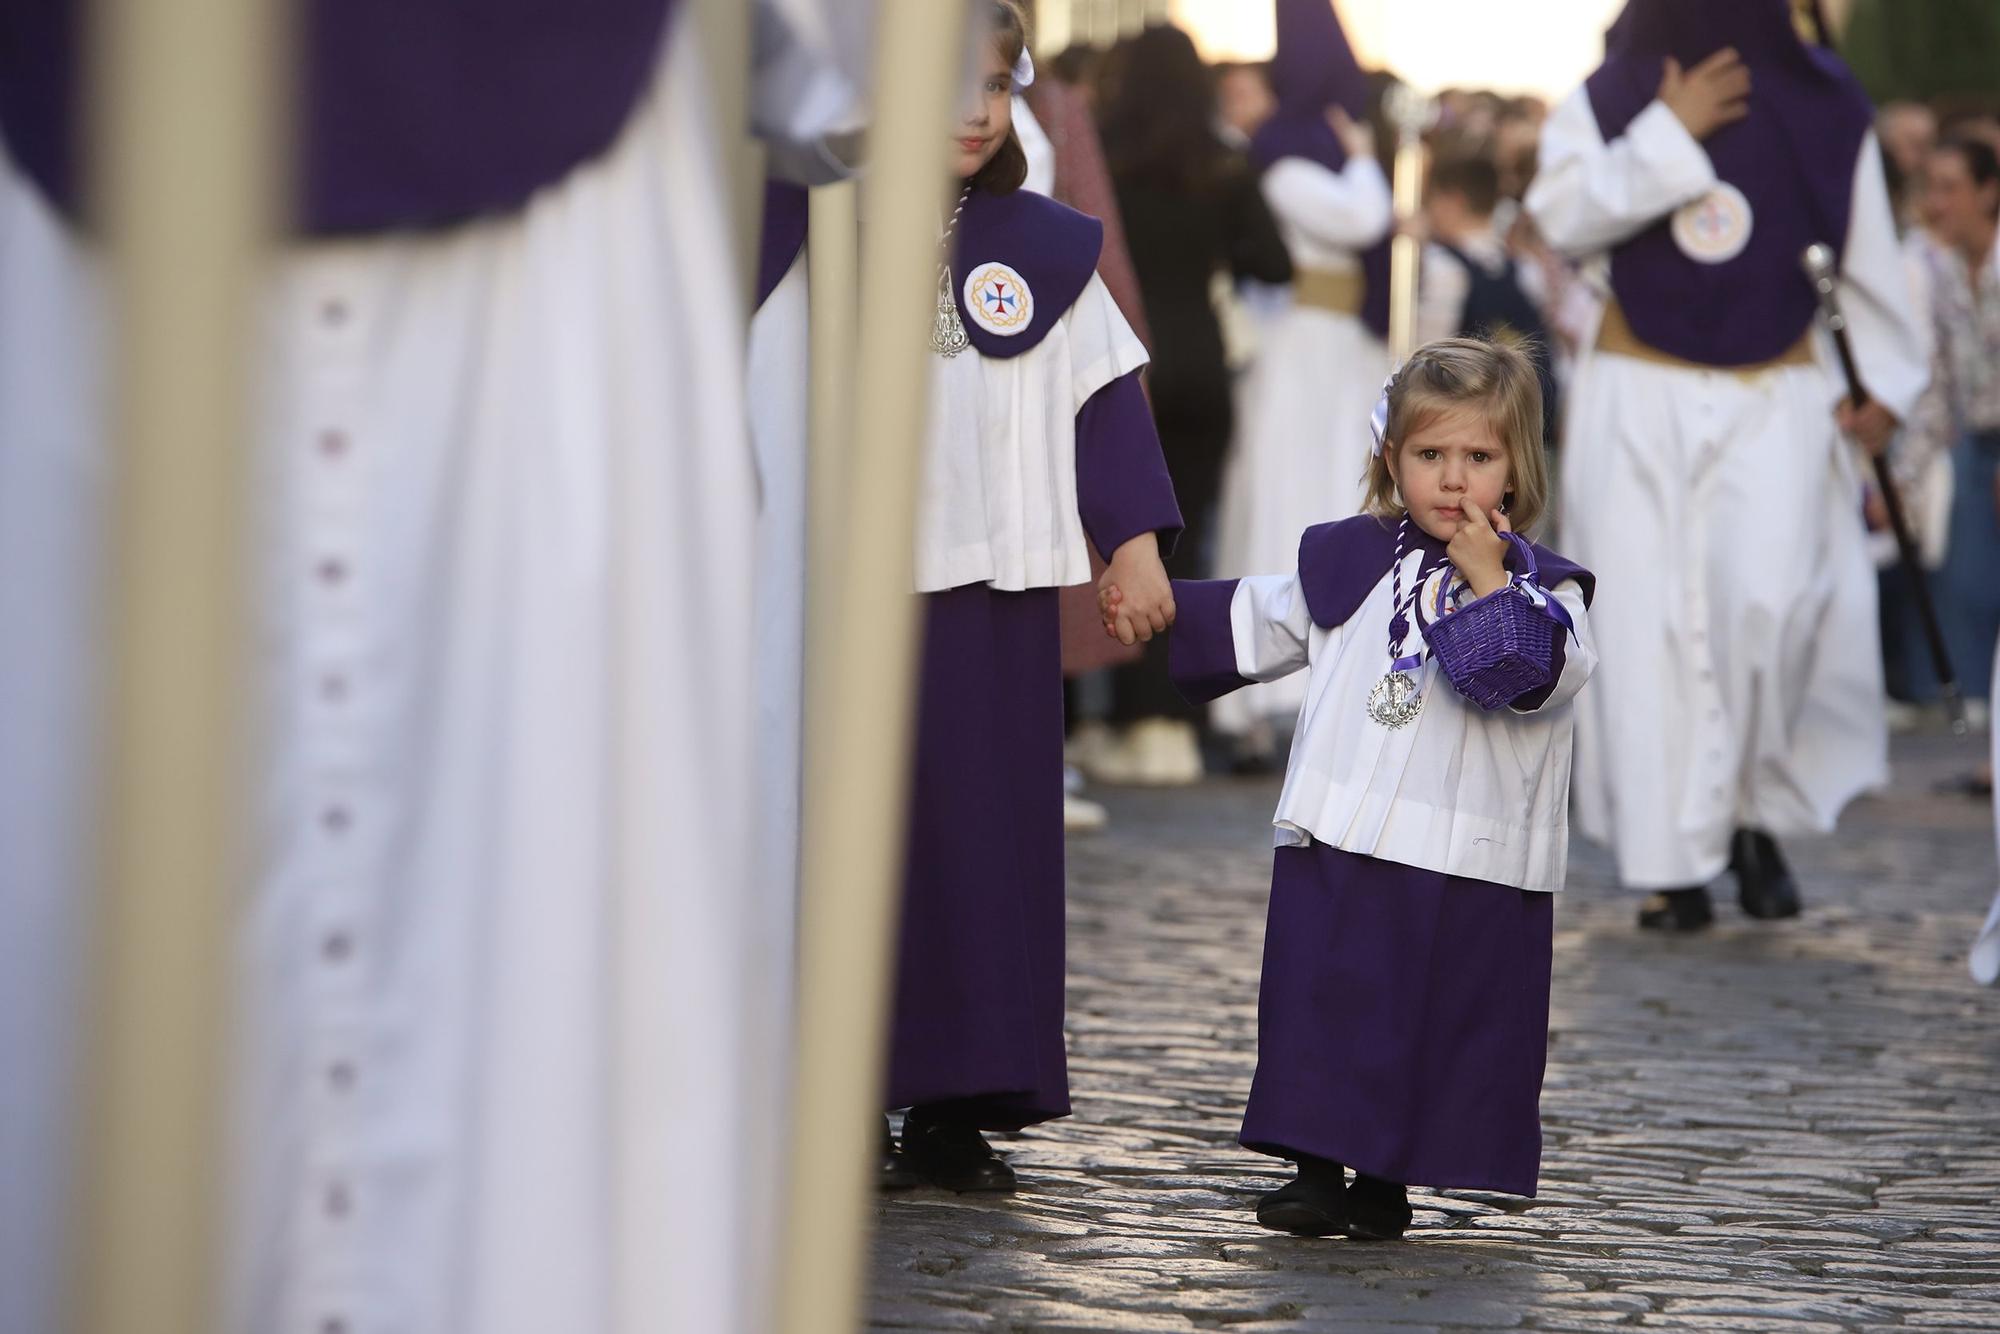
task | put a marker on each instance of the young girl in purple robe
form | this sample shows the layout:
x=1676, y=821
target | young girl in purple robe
x=1403, y=1016
x=1039, y=441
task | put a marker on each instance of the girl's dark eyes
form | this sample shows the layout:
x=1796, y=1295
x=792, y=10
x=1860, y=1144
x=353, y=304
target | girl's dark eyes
x=996, y=85
x=1428, y=455
x=1481, y=456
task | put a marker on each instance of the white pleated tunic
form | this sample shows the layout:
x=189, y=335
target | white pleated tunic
x=1741, y=675
x=501, y=951
x=1300, y=455
x=1458, y=790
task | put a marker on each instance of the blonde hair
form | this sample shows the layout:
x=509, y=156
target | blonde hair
x=1459, y=374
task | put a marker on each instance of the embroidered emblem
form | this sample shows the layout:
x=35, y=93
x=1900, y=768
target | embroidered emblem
x=998, y=299
x=1714, y=228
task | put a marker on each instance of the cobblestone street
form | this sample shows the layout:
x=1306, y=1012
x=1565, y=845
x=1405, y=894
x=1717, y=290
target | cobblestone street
x=1786, y=1127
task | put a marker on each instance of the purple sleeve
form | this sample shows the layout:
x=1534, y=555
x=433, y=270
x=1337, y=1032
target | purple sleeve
x=1201, y=646
x=1122, y=488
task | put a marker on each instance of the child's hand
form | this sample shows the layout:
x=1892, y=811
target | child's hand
x=1108, y=599
x=1144, y=597
x=1478, y=551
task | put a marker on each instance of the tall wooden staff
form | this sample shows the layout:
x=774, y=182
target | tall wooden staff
x=1411, y=113
x=861, y=644
x=185, y=132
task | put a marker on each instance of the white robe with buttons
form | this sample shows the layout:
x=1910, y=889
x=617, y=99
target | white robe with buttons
x=501, y=937
x=1741, y=683
x=1300, y=454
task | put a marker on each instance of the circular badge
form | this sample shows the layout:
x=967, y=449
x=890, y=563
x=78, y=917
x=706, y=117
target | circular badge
x=998, y=299
x=1714, y=228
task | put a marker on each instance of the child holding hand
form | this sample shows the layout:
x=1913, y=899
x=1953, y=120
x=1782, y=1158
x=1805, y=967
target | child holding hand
x=1422, y=828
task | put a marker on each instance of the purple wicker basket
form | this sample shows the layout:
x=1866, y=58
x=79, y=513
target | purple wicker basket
x=1498, y=648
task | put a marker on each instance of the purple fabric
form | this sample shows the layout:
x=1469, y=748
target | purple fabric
x=1122, y=485
x=1341, y=562
x=978, y=1013
x=1052, y=246
x=782, y=237
x=1402, y=1022
x=1201, y=648
x=1793, y=157
x=413, y=113
x=1313, y=69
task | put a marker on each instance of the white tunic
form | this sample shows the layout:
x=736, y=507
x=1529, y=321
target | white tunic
x=997, y=504
x=1742, y=679
x=501, y=943
x=1459, y=790
x=1301, y=450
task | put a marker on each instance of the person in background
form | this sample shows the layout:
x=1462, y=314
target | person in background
x=1959, y=414
x=1192, y=210
x=1243, y=102
x=1301, y=450
x=1706, y=479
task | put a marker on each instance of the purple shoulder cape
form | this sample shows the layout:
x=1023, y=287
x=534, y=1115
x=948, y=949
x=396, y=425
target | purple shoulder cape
x=1051, y=246
x=412, y=113
x=1313, y=69
x=1341, y=562
x=1793, y=158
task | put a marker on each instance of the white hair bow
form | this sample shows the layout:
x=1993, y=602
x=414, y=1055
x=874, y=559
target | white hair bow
x=1024, y=70
x=1378, y=420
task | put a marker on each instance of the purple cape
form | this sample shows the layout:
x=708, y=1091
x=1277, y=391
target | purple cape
x=1314, y=69
x=413, y=113
x=1052, y=246
x=1793, y=158
x=1340, y=562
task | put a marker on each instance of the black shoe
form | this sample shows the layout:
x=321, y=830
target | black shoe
x=1764, y=885
x=1377, y=1210
x=1311, y=1204
x=1677, y=910
x=954, y=1156
x=895, y=1172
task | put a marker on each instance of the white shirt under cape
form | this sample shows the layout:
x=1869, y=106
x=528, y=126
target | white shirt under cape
x=1459, y=790
x=998, y=504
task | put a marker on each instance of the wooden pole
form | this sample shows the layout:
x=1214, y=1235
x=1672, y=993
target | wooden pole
x=862, y=639
x=185, y=133
x=1411, y=112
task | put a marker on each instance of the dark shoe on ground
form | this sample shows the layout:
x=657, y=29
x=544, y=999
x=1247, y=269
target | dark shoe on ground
x=954, y=1156
x=1377, y=1210
x=1764, y=884
x=1677, y=910
x=1311, y=1204
x=895, y=1172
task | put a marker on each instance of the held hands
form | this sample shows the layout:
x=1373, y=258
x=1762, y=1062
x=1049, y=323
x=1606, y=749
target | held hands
x=1711, y=95
x=1478, y=551
x=1135, y=596
x=1870, y=426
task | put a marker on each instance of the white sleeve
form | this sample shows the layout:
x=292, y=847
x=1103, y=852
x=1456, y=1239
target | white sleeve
x=1349, y=208
x=1442, y=286
x=1270, y=625
x=1885, y=321
x=1579, y=653
x=1102, y=346
x=1588, y=195
x=809, y=61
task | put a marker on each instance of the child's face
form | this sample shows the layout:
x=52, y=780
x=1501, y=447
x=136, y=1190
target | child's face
x=985, y=114
x=1453, y=456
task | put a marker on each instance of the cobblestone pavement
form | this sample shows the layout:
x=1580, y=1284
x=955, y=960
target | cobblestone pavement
x=1788, y=1127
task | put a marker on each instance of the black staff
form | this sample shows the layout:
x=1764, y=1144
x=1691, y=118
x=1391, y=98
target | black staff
x=1818, y=261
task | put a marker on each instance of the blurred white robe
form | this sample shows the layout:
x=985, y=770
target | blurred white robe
x=1740, y=681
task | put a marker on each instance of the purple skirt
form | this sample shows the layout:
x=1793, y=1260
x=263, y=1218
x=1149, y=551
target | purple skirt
x=1402, y=1023
x=978, y=1010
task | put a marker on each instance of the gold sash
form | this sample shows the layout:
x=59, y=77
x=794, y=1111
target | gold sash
x=1322, y=289
x=1614, y=334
